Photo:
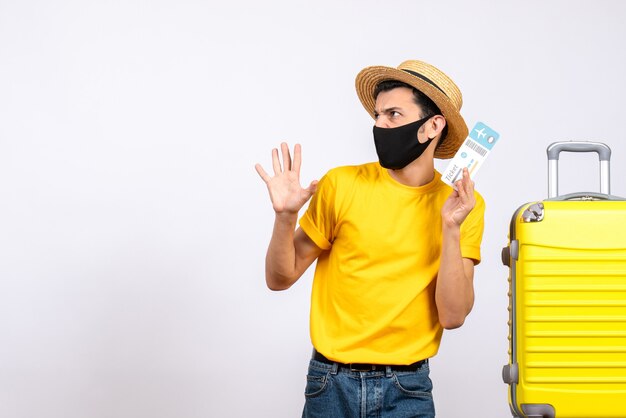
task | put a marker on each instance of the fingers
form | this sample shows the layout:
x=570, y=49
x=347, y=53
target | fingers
x=309, y=191
x=286, y=156
x=297, y=158
x=276, y=162
x=262, y=173
x=312, y=187
x=286, y=164
x=465, y=187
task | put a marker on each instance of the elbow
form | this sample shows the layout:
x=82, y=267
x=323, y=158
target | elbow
x=277, y=283
x=453, y=320
x=277, y=287
x=453, y=315
x=452, y=323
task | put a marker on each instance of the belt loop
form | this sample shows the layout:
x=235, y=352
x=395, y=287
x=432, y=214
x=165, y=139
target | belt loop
x=335, y=369
x=388, y=371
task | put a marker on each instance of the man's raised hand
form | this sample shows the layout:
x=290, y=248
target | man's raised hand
x=285, y=191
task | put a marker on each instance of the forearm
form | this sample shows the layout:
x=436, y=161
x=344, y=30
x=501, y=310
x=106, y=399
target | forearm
x=280, y=261
x=455, y=289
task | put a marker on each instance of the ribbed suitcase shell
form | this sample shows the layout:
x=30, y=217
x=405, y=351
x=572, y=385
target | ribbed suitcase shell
x=568, y=310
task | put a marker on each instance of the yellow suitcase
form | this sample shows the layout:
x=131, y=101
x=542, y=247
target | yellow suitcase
x=567, y=300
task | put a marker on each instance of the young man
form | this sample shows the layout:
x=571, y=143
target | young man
x=395, y=249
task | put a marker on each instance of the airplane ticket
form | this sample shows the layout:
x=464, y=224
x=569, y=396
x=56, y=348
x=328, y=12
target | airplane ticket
x=471, y=154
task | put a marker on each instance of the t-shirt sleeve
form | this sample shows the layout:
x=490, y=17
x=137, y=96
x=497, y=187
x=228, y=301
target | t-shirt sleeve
x=472, y=230
x=319, y=220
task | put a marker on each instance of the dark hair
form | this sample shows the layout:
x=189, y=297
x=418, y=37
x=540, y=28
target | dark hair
x=429, y=108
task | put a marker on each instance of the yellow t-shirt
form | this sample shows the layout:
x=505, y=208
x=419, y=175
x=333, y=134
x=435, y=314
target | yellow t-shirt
x=373, y=298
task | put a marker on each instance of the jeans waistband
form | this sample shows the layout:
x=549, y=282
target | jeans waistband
x=367, y=367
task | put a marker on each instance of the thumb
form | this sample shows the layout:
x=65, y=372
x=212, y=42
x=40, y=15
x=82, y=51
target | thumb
x=312, y=188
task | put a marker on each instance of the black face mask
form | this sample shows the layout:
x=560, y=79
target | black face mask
x=397, y=147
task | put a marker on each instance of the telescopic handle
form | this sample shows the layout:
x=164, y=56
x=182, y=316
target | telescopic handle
x=555, y=149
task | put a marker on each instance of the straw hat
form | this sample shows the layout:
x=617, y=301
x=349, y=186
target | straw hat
x=433, y=83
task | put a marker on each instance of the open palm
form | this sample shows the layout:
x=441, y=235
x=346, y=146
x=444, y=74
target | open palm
x=286, y=193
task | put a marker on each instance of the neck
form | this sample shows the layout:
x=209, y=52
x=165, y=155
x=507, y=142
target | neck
x=417, y=173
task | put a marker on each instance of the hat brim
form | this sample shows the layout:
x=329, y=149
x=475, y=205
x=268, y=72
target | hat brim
x=370, y=77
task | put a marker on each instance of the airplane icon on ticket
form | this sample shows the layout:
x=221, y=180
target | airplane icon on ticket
x=481, y=132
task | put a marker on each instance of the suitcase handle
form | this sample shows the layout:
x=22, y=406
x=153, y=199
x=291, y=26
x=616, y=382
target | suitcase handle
x=604, y=155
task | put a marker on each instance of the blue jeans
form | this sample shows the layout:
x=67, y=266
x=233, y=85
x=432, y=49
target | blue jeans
x=337, y=392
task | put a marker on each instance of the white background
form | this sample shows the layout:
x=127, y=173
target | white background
x=133, y=226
